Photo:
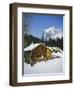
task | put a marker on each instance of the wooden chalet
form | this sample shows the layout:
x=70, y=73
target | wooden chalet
x=37, y=52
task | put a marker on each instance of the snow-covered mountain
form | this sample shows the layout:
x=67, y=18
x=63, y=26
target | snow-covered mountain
x=50, y=30
x=52, y=33
x=57, y=35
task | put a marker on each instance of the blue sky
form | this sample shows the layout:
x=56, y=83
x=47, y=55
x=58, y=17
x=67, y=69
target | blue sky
x=40, y=22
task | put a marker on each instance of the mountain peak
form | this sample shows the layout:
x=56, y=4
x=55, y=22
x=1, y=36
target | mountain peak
x=50, y=30
x=53, y=33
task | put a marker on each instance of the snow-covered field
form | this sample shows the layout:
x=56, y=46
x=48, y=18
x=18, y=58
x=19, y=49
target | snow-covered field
x=54, y=65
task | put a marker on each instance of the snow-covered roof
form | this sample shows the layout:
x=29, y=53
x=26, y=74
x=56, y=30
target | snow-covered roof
x=31, y=47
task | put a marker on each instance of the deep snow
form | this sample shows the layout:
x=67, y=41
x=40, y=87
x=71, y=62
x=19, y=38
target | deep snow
x=54, y=65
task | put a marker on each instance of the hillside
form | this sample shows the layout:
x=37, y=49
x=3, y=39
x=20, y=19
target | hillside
x=28, y=39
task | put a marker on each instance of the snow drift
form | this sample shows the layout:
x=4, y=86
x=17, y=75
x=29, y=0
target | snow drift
x=54, y=66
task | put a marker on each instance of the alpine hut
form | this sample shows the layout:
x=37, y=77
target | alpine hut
x=37, y=52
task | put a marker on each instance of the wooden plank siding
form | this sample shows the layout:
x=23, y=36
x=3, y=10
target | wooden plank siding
x=41, y=52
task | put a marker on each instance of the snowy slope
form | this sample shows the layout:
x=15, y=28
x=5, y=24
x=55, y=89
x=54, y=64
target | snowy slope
x=52, y=66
